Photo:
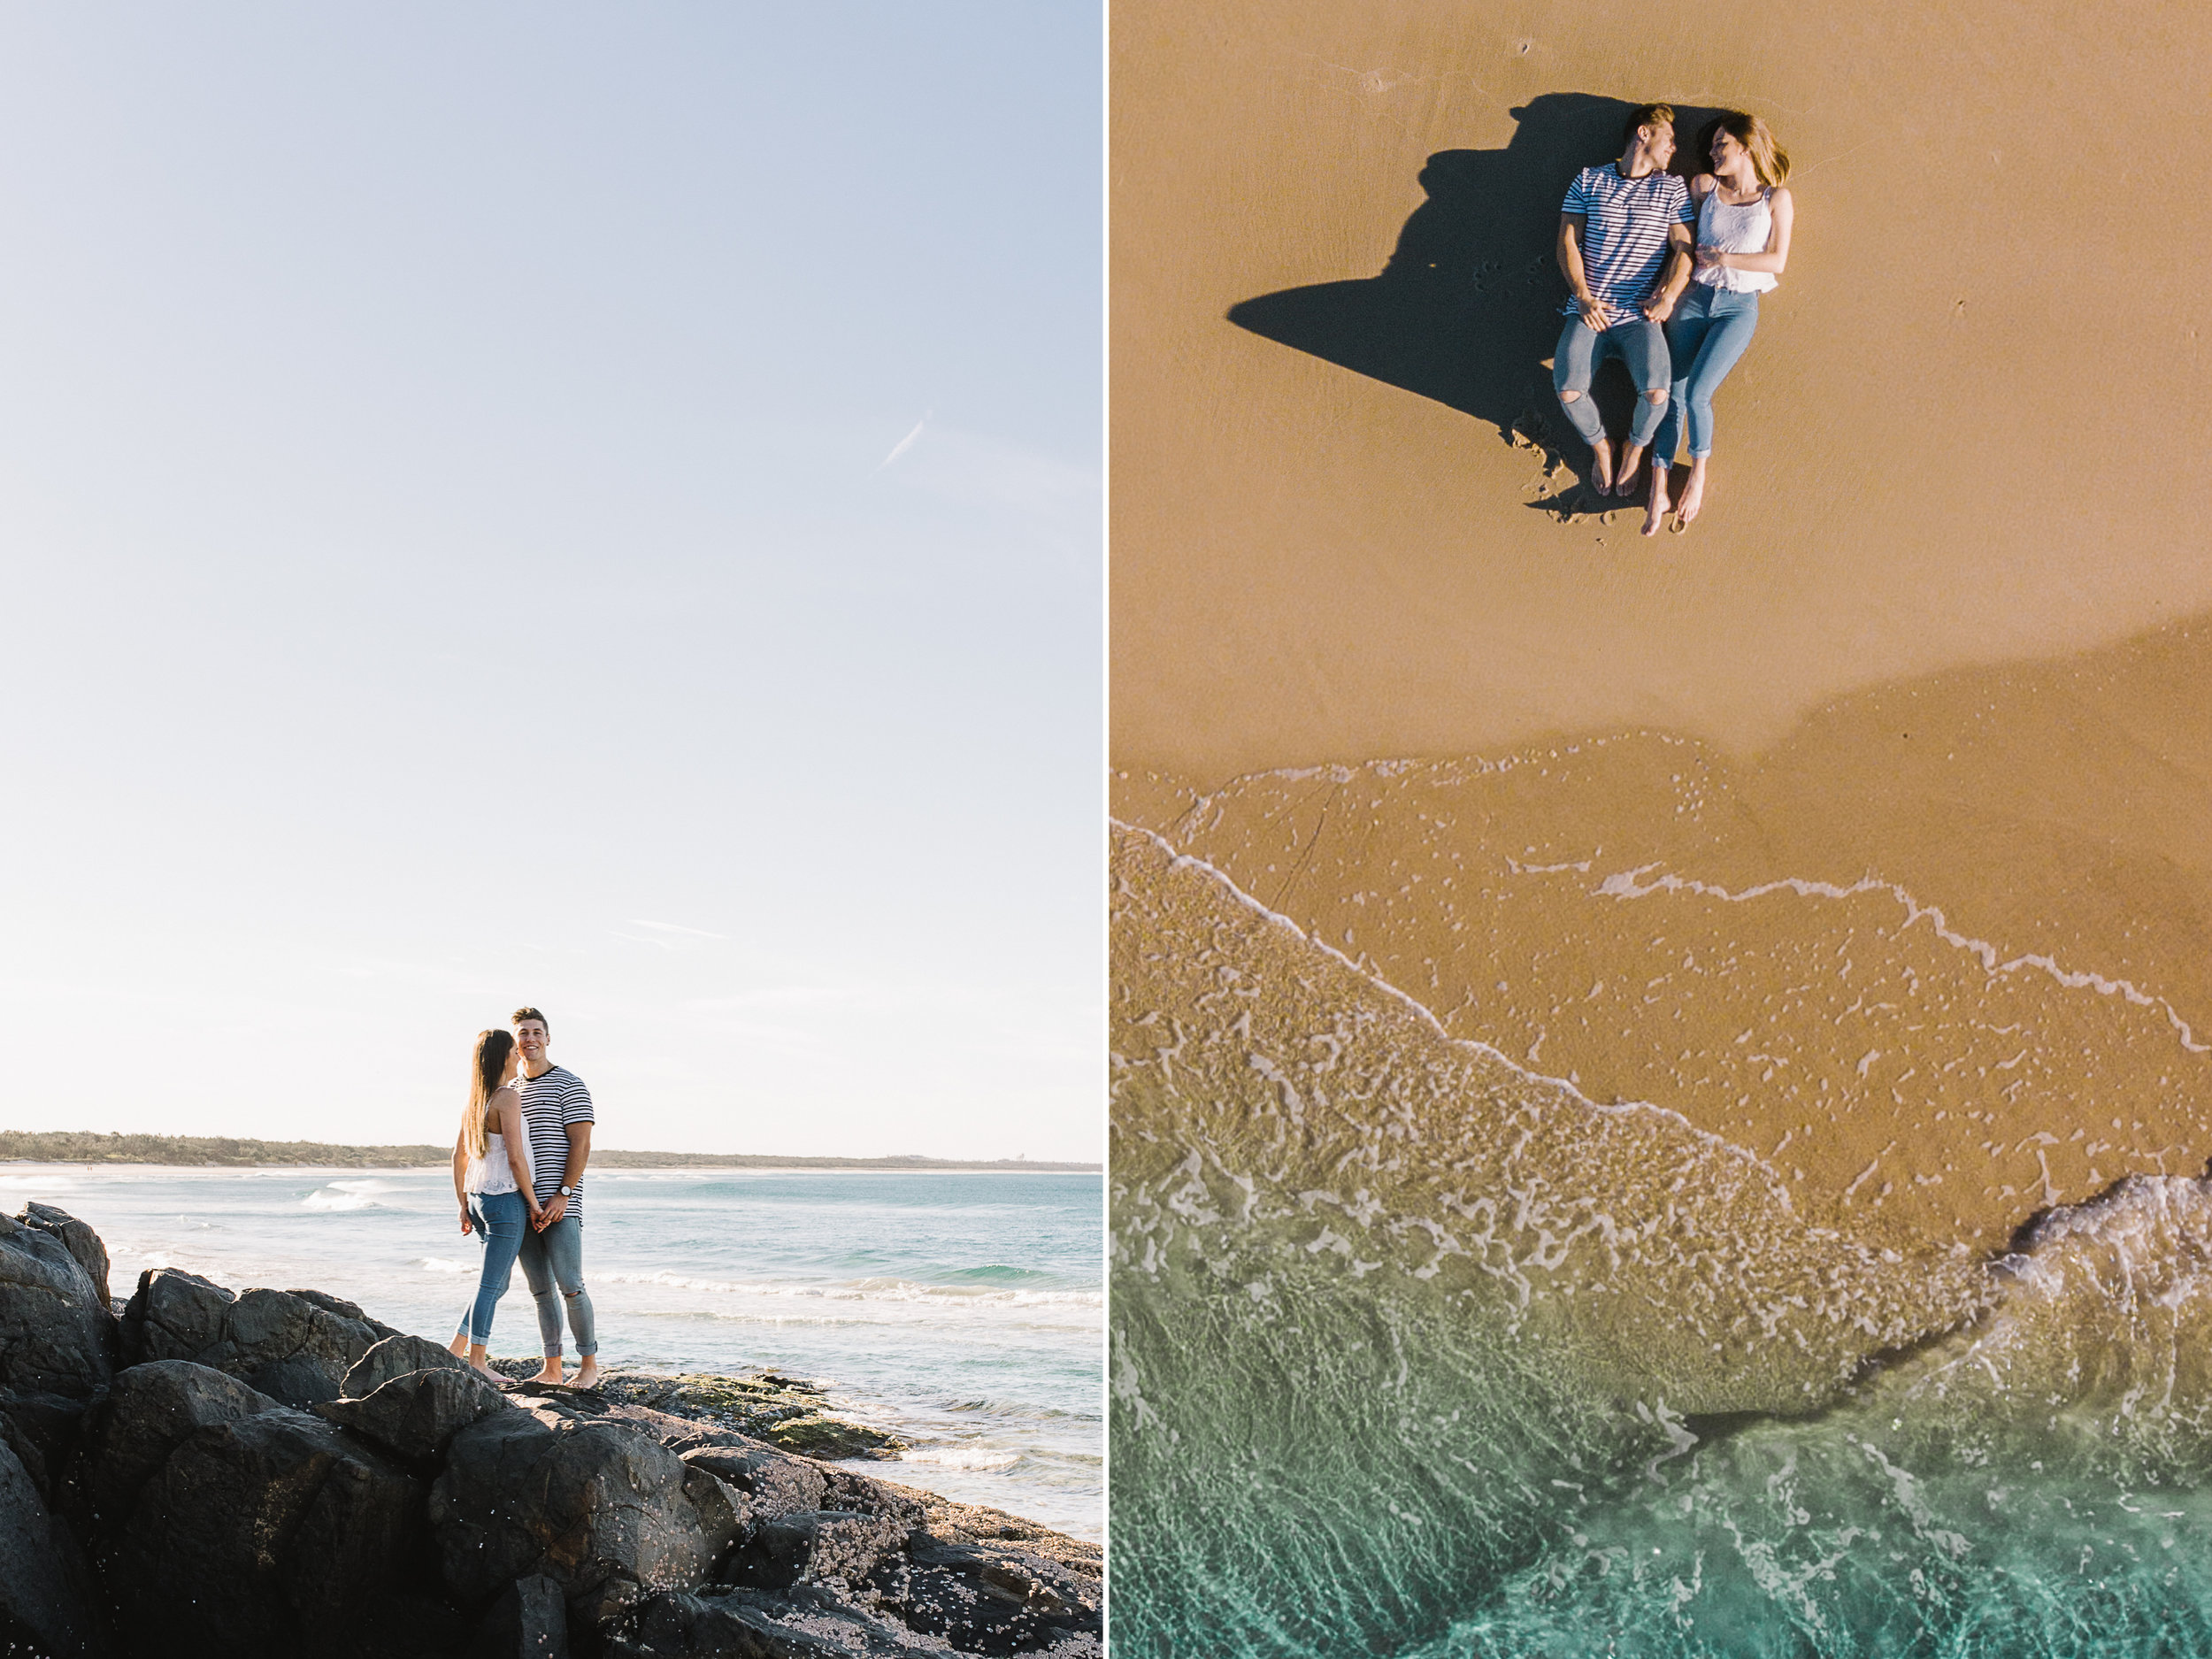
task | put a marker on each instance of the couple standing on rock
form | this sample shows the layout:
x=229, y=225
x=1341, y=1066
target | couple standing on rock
x=518, y=1172
x=1679, y=311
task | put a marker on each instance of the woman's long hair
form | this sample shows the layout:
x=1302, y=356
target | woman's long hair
x=489, y=1061
x=1770, y=164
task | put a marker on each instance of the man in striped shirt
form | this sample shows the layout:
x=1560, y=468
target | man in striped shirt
x=556, y=1116
x=1625, y=245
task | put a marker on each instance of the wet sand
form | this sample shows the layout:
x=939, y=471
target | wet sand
x=1869, y=825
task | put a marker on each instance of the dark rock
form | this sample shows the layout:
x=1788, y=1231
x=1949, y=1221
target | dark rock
x=172, y=1314
x=529, y=1622
x=42, y=1430
x=150, y=1411
x=986, y=1600
x=606, y=1512
x=396, y=1356
x=297, y=1381
x=55, y=1328
x=47, y=1607
x=808, y=1624
x=774, y=1482
x=827, y=1545
x=271, y=1534
x=417, y=1413
x=77, y=1238
x=343, y=1310
x=847, y=1489
x=295, y=1345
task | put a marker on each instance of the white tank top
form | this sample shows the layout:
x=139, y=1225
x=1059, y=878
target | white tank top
x=492, y=1173
x=1736, y=229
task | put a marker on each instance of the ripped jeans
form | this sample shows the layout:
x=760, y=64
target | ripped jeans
x=1640, y=344
x=552, y=1258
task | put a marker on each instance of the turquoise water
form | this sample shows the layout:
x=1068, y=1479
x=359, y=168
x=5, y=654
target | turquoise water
x=961, y=1311
x=1348, y=1466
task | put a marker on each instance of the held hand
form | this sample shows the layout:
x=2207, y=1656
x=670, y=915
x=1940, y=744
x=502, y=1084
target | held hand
x=1660, y=310
x=537, y=1216
x=552, y=1212
x=1597, y=316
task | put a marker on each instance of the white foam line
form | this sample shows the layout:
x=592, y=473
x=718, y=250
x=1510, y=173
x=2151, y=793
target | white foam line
x=1624, y=885
x=1181, y=860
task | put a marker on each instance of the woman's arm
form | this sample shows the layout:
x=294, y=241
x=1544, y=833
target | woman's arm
x=1776, y=255
x=460, y=1175
x=508, y=1104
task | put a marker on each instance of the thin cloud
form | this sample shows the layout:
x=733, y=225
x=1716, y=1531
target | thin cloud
x=672, y=927
x=905, y=443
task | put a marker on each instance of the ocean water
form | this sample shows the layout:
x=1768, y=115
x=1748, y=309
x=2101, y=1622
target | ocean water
x=961, y=1311
x=1413, y=1351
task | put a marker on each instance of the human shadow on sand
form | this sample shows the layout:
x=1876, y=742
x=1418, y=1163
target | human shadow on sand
x=1468, y=310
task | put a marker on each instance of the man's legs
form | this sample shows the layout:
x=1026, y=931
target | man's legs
x=538, y=1273
x=1574, y=362
x=1643, y=347
x=565, y=1257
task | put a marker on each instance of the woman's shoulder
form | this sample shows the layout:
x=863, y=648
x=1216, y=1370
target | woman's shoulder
x=1779, y=197
x=1702, y=185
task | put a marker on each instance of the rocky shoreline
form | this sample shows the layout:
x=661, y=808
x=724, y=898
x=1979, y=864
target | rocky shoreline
x=198, y=1472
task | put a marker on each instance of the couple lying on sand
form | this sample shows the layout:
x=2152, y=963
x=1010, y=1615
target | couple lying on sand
x=518, y=1172
x=1678, y=312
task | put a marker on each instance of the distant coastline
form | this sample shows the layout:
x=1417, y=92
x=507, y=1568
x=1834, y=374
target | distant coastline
x=22, y=1146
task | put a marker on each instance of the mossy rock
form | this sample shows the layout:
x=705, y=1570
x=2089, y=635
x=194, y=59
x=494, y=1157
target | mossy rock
x=818, y=1436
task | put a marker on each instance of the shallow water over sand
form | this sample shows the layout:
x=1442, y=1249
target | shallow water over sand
x=1417, y=1350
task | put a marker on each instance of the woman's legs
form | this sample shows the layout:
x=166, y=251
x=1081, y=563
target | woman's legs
x=1734, y=319
x=500, y=1218
x=1686, y=333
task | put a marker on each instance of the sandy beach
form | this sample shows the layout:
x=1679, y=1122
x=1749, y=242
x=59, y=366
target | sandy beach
x=1686, y=1059
x=1932, y=631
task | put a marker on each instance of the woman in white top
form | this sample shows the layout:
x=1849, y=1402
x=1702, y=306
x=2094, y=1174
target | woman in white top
x=492, y=1177
x=1744, y=212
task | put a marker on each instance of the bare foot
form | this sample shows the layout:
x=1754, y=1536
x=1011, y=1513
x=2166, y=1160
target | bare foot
x=1601, y=467
x=458, y=1347
x=588, y=1374
x=551, y=1374
x=1692, y=493
x=483, y=1368
x=1625, y=480
x=1655, y=514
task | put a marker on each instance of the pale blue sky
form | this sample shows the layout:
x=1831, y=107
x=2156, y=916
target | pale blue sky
x=448, y=558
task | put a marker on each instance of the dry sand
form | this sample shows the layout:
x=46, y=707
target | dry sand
x=1926, y=662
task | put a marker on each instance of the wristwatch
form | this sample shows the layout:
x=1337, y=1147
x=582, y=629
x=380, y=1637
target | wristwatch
x=568, y=1192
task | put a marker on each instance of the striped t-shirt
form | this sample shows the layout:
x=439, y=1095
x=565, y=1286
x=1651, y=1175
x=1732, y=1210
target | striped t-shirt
x=1624, y=237
x=550, y=1102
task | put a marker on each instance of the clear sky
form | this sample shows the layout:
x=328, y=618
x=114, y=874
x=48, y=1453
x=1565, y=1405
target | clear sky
x=583, y=505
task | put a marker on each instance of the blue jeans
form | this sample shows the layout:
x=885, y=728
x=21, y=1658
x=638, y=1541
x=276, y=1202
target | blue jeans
x=1708, y=331
x=500, y=1220
x=555, y=1256
x=1639, y=344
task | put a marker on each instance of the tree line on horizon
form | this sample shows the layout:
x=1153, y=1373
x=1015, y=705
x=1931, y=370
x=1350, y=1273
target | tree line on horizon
x=73, y=1145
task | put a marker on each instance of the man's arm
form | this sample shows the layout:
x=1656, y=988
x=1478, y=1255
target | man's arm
x=1596, y=315
x=579, y=1155
x=1675, y=276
